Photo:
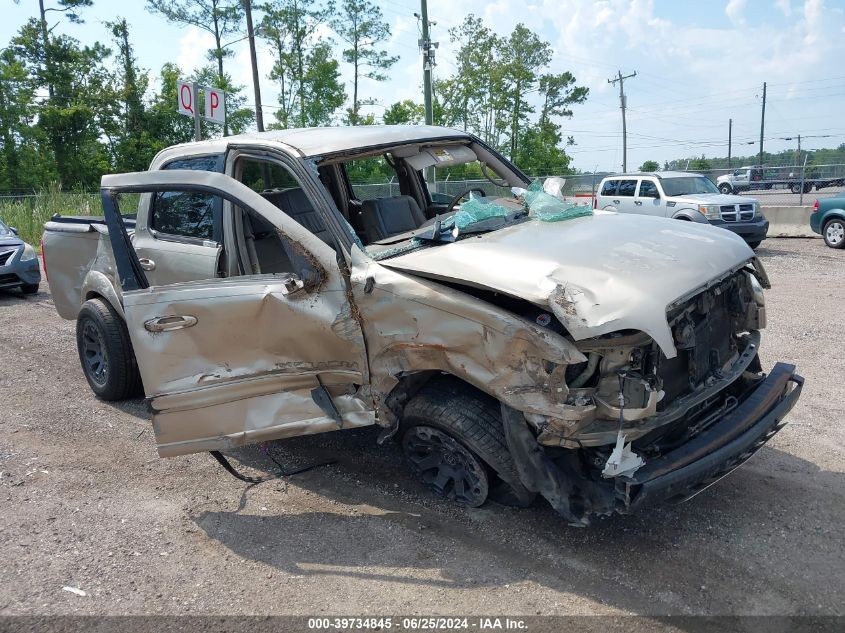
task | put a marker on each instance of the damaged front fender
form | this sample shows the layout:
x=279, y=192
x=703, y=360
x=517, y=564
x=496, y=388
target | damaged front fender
x=412, y=325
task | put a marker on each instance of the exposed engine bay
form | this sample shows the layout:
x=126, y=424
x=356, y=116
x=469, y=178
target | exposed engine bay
x=628, y=384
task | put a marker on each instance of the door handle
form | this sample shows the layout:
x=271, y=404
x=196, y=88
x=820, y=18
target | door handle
x=168, y=323
x=639, y=203
x=147, y=264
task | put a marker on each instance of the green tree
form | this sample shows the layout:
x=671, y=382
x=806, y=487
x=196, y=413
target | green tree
x=700, y=164
x=71, y=119
x=405, y=112
x=130, y=139
x=650, y=165
x=362, y=27
x=303, y=64
x=221, y=18
x=20, y=165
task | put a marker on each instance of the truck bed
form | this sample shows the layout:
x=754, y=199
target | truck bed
x=78, y=260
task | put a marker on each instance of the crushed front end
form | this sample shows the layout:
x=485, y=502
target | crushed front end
x=638, y=427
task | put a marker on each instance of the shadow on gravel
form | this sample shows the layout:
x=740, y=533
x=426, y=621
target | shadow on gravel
x=396, y=531
x=137, y=407
x=13, y=296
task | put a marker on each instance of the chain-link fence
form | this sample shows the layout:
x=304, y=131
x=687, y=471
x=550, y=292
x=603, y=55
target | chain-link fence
x=789, y=185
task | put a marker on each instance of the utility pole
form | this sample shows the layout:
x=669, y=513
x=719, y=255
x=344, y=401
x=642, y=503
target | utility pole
x=622, y=105
x=427, y=47
x=730, y=125
x=250, y=33
x=762, y=126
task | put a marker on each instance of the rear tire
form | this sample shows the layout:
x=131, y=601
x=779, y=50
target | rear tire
x=472, y=420
x=834, y=233
x=105, y=352
x=29, y=289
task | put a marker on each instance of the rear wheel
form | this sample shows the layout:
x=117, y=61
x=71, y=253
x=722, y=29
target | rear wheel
x=454, y=443
x=105, y=352
x=834, y=233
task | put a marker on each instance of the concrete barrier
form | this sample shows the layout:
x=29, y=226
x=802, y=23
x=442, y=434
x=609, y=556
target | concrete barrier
x=789, y=221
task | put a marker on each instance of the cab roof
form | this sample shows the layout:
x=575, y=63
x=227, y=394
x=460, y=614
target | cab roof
x=324, y=141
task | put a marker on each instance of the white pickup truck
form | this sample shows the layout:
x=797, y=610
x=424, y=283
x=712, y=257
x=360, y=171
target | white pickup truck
x=516, y=346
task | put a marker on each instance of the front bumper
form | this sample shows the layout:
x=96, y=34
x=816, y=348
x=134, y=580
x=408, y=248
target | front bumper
x=16, y=273
x=676, y=476
x=714, y=453
x=752, y=231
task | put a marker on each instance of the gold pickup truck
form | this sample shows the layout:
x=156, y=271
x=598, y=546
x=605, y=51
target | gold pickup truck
x=513, y=344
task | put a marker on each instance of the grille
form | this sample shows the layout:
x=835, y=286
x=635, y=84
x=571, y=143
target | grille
x=734, y=212
x=9, y=279
x=5, y=256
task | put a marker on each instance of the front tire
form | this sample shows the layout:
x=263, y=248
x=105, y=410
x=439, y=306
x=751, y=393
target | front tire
x=449, y=428
x=725, y=188
x=834, y=233
x=29, y=289
x=105, y=352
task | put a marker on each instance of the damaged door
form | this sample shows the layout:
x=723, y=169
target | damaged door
x=226, y=362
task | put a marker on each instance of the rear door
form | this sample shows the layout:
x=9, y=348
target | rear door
x=607, y=194
x=179, y=235
x=227, y=362
x=624, y=198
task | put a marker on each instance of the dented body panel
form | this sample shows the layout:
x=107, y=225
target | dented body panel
x=644, y=264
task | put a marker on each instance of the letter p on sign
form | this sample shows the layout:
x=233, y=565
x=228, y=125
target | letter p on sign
x=215, y=105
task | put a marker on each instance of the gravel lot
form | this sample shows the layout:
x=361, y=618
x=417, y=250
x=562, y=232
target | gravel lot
x=86, y=503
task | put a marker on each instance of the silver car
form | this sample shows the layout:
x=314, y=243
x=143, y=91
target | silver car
x=683, y=196
x=18, y=262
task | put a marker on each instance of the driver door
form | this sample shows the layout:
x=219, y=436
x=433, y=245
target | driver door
x=227, y=362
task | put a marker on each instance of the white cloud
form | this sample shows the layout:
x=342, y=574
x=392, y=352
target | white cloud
x=193, y=49
x=785, y=7
x=734, y=11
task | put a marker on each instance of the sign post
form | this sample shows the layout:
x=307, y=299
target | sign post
x=187, y=103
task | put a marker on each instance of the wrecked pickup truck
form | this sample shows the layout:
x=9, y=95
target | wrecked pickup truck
x=513, y=345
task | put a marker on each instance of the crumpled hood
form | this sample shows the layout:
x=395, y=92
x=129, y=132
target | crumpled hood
x=597, y=274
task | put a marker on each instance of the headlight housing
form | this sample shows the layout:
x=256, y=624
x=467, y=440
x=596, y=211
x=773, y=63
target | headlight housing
x=710, y=211
x=28, y=253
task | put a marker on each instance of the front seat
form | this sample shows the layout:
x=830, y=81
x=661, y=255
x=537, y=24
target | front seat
x=296, y=204
x=386, y=217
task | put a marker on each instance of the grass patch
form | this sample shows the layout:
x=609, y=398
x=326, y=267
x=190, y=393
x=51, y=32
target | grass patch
x=29, y=213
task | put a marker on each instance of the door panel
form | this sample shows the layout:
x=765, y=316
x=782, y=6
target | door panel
x=624, y=198
x=229, y=361
x=168, y=262
x=246, y=368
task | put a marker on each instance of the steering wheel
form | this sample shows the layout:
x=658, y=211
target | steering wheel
x=463, y=194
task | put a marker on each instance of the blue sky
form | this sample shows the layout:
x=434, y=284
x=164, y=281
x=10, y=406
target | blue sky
x=699, y=63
